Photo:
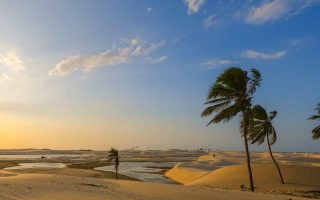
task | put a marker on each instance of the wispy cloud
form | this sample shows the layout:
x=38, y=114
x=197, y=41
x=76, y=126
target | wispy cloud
x=148, y=10
x=277, y=9
x=194, y=5
x=264, y=56
x=5, y=78
x=159, y=60
x=143, y=49
x=13, y=60
x=178, y=39
x=134, y=48
x=88, y=63
x=14, y=74
x=14, y=80
x=300, y=41
x=215, y=63
x=210, y=21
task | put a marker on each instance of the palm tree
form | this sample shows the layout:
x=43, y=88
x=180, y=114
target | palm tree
x=114, y=155
x=316, y=130
x=262, y=129
x=230, y=95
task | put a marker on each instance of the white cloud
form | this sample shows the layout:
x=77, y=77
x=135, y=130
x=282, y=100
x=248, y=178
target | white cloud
x=135, y=47
x=159, y=60
x=142, y=49
x=88, y=63
x=13, y=75
x=148, y=10
x=263, y=56
x=194, y=5
x=133, y=41
x=12, y=59
x=7, y=78
x=277, y=9
x=210, y=21
x=215, y=63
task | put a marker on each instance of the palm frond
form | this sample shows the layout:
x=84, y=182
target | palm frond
x=259, y=113
x=273, y=135
x=316, y=130
x=262, y=125
x=218, y=100
x=316, y=133
x=258, y=136
x=220, y=90
x=318, y=108
x=217, y=107
x=234, y=78
x=225, y=115
x=272, y=115
x=113, y=154
x=314, y=117
x=255, y=81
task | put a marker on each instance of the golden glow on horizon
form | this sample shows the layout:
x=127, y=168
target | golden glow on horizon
x=87, y=132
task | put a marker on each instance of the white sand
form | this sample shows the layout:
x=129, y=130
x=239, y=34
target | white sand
x=216, y=177
x=54, y=187
x=228, y=170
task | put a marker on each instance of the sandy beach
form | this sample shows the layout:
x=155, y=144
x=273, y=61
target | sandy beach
x=81, y=187
x=199, y=175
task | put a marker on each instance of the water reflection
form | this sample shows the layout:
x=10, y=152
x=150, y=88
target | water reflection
x=34, y=156
x=38, y=165
x=145, y=171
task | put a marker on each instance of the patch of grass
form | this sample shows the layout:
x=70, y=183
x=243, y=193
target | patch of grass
x=88, y=165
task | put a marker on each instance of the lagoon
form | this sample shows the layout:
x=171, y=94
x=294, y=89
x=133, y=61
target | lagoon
x=145, y=171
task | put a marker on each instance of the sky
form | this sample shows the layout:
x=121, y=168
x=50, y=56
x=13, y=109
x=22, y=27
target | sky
x=78, y=74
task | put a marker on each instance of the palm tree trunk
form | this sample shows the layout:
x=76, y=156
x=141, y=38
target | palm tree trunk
x=274, y=160
x=245, y=131
x=116, y=171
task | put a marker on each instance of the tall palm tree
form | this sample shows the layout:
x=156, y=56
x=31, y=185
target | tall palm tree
x=262, y=129
x=230, y=95
x=114, y=155
x=316, y=130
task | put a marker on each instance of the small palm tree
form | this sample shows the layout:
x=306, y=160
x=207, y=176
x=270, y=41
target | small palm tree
x=230, y=95
x=316, y=130
x=262, y=129
x=114, y=155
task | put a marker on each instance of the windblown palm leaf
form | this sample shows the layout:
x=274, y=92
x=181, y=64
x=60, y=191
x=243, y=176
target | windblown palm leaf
x=230, y=95
x=261, y=129
x=316, y=130
x=114, y=155
x=262, y=125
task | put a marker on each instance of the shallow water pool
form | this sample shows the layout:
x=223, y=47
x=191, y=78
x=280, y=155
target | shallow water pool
x=145, y=171
x=38, y=165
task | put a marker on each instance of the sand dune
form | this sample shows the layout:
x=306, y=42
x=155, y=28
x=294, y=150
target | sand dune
x=53, y=187
x=265, y=177
x=300, y=180
x=216, y=176
x=185, y=175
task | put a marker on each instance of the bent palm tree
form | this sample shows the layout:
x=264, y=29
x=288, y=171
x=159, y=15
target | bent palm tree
x=114, y=155
x=316, y=130
x=262, y=129
x=230, y=95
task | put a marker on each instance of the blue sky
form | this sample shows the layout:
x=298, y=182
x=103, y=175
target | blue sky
x=95, y=74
